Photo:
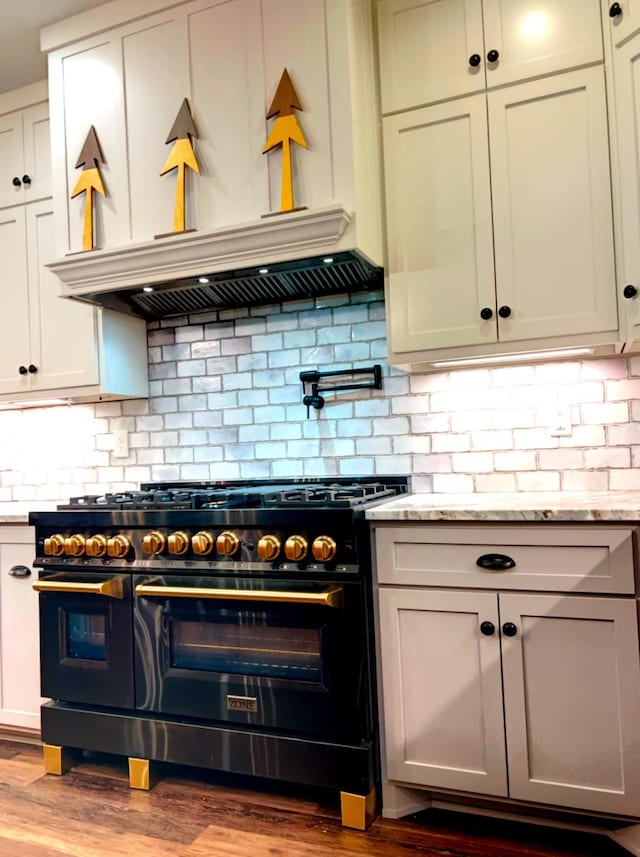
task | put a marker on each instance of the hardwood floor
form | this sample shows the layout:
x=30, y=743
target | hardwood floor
x=92, y=812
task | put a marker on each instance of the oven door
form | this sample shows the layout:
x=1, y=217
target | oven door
x=86, y=653
x=272, y=653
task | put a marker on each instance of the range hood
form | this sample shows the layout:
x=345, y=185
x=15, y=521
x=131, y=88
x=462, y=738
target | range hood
x=293, y=256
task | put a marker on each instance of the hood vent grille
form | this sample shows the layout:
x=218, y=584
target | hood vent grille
x=303, y=279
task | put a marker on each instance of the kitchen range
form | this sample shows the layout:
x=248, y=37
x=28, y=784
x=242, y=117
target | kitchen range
x=225, y=625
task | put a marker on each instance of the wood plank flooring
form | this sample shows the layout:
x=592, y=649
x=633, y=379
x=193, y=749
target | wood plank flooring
x=92, y=812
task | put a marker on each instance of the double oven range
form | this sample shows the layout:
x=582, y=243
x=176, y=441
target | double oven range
x=225, y=625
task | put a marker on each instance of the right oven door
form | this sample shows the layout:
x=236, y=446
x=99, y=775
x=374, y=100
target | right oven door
x=270, y=653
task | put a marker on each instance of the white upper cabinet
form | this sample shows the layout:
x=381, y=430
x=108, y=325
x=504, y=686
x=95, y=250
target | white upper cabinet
x=431, y=50
x=129, y=80
x=623, y=17
x=25, y=158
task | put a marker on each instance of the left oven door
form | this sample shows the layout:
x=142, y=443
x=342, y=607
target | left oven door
x=86, y=650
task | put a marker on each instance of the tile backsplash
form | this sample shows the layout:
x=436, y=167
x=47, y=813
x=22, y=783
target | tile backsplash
x=226, y=402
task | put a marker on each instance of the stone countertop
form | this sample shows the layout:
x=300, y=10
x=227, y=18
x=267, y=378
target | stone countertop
x=557, y=506
x=18, y=513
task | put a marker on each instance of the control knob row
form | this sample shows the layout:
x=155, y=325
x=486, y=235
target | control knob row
x=76, y=545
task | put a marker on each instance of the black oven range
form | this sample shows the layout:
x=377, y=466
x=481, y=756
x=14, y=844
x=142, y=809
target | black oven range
x=226, y=625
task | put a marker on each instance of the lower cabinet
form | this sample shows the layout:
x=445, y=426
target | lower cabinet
x=19, y=635
x=525, y=696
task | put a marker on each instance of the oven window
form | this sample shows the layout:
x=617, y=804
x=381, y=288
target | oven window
x=86, y=636
x=261, y=650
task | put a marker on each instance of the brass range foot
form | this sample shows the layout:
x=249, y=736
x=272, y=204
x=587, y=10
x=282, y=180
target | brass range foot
x=59, y=760
x=142, y=774
x=358, y=811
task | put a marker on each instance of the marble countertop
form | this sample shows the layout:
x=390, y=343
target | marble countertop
x=560, y=506
x=18, y=513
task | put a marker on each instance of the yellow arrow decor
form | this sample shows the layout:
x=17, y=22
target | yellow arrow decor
x=89, y=181
x=180, y=157
x=285, y=131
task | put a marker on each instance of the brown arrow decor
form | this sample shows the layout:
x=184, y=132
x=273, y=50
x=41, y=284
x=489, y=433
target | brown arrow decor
x=285, y=130
x=180, y=157
x=89, y=181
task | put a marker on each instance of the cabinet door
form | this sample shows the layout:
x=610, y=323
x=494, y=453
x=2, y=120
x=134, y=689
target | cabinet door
x=37, y=152
x=536, y=37
x=439, y=226
x=14, y=301
x=624, y=24
x=572, y=696
x=552, y=207
x=19, y=632
x=11, y=159
x=63, y=339
x=441, y=689
x=425, y=48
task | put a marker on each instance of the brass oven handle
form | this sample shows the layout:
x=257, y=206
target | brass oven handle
x=112, y=588
x=329, y=598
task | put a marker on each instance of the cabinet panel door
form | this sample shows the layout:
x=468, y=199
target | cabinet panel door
x=11, y=158
x=442, y=693
x=536, y=37
x=624, y=25
x=572, y=696
x=37, y=152
x=19, y=638
x=63, y=334
x=14, y=301
x=226, y=44
x=439, y=226
x=424, y=48
x=552, y=207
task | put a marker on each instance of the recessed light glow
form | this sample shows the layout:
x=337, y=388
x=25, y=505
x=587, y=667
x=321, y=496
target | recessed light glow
x=535, y=26
x=511, y=358
x=147, y=289
x=203, y=280
x=263, y=270
x=328, y=260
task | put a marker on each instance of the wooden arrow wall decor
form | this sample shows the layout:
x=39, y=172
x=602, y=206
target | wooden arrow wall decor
x=180, y=157
x=89, y=181
x=285, y=131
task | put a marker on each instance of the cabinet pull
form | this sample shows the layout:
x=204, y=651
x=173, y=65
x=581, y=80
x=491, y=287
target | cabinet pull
x=629, y=292
x=20, y=571
x=496, y=561
x=614, y=10
x=487, y=628
x=509, y=629
x=475, y=60
x=26, y=180
x=32, y=369
x=486, y=313
x=22, y=370
x=15, y=181
x=493, y=55
x=504, y=311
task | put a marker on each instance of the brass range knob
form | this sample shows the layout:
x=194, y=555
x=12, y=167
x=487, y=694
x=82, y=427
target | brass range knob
x=227, y=543
x=154, y=542
x=96, y=546
x=324, y=548
x=54, y=545
x=74, y=545
x=202, y=543
x=178, y=543
x=268, y=548
x=295, y=548
x=118, y=546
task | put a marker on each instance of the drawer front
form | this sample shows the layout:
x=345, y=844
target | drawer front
x=550, y=558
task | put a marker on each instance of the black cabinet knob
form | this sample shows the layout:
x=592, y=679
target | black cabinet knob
x=504, y=311
x=629, y=291
x=614, y=10
x=496, y=561
x=486, y=313
x=15, y=181
x=22, y=370
x=26, y=180
x=493, y=55
x=32, y=369
x=509, y=629
x=487, y=628
x=475, y=60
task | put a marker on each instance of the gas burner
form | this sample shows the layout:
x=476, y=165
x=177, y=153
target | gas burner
x=332, y=495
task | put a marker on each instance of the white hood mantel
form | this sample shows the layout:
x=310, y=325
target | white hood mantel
x=280, y=257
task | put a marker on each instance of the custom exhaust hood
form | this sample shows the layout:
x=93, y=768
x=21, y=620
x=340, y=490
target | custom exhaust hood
x=293, y=256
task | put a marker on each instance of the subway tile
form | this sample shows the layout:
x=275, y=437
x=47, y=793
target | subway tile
x=208, y=453
x=578, y=480
x=495, y=482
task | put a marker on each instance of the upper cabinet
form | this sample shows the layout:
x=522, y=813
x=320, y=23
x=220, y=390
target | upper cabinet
x=25, y=171
x=129, y=78
x=623, y=19
x=500, y=233
x=432, y=50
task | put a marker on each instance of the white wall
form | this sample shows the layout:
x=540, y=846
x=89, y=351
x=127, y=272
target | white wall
x=226, y=401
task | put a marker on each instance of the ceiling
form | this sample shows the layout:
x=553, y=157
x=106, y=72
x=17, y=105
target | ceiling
x=20, y=59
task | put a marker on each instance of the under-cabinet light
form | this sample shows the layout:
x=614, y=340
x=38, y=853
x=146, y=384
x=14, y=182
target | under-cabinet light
x=328, y=260
x=203, y=280
x=263, y=270
x=510, y=358
x=147, y=288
